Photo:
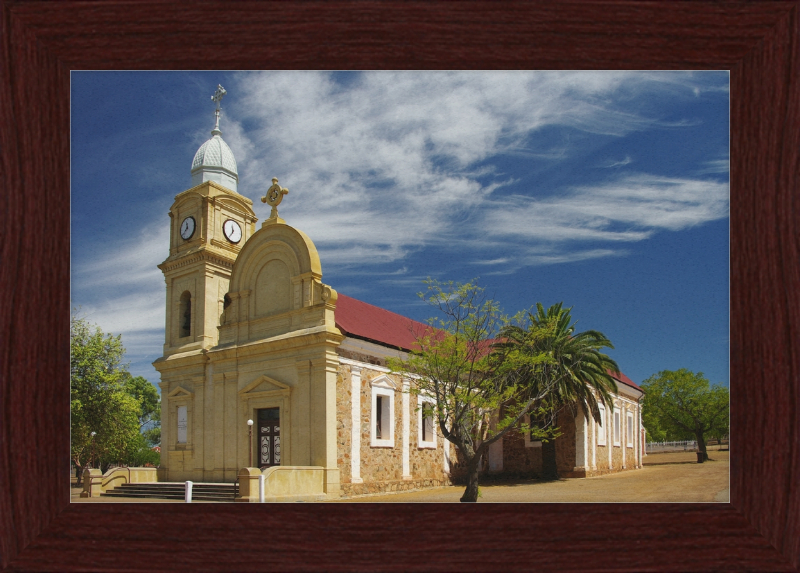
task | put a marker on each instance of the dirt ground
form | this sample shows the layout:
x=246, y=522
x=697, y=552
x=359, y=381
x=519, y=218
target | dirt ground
x=666, y=477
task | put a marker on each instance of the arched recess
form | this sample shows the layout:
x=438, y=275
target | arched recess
x=273, y=289
x=275, y=241
x=185, y=315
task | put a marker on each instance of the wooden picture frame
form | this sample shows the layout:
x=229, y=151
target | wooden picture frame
x=43, y=41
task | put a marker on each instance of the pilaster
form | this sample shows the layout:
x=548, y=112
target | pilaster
x=355, y=434
x=495, y=449
x=581, y=444
x=406, y=431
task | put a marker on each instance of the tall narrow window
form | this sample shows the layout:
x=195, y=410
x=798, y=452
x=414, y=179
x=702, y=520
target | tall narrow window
x=629, y=427
x=380, y=400
x=182, y=424
x=616, y=427
x=532, y=440
x=186, y=314
x=426, y=422
x=382, y=419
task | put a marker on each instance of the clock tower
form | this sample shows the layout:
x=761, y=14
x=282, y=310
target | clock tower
x=209, y=224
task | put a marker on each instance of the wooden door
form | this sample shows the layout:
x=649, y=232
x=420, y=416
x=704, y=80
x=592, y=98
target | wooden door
x=269, y=437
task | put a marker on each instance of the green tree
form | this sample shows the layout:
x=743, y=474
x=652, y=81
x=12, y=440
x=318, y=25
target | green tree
x=655, y=433
x=146, y=394
x=153, y=434
x=141, y=453
x=684, y=403
x=455, y=362
x=576, y=373
x=104, y=416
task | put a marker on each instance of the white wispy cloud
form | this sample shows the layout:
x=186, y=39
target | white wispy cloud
x=619, y=163
x=119, y=287
x=715, y=166
x=628, y=209
x=394, y=161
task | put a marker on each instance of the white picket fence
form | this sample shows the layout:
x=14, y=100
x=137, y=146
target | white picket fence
x=685, y=446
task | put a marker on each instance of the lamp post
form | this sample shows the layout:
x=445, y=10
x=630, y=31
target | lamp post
x=250, y=428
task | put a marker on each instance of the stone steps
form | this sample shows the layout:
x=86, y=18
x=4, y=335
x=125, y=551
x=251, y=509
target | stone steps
x=200, y=491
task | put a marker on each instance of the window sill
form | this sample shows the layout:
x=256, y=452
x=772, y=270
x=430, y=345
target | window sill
x=382, y=444
x=426, y=446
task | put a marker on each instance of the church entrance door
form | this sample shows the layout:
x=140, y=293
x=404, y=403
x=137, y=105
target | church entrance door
x=269, y=437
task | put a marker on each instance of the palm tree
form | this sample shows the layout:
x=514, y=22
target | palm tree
x=577, y=372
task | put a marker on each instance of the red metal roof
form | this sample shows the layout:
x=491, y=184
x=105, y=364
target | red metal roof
x=625, y=380
x=361, y=320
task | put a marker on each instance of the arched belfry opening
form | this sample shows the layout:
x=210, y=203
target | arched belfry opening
x=185, y=314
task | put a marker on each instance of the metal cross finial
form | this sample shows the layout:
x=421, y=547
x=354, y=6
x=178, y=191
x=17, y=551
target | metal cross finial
x=217, y=97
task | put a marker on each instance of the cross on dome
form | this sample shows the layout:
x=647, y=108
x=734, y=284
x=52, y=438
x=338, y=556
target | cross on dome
x=217, y=98
x=214, y=160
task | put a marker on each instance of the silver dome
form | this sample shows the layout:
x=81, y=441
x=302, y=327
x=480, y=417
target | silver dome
x=214, y=161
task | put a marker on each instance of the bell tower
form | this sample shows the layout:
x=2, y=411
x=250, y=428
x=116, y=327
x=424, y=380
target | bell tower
x=209, y=224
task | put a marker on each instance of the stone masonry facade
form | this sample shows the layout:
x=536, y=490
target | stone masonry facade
x=381, y=468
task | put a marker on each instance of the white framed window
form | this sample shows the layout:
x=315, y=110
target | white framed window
x=382, y=416
x=183, y=424
x=601, y=428
x=426, y=427
x=617, y=421
x=629, y=428
x=528, y=442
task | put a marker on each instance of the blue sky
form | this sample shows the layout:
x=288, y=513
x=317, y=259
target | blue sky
x=607, y=191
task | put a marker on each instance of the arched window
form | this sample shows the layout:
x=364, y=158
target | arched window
x=185, y=316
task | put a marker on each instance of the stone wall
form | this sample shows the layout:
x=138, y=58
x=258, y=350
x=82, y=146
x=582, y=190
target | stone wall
x=344, y=423
x=565, y=443
x=351, y=489
x=427, y=463
x=385, y=463
x=381, y=468
x=600, y=466
x=519, y=460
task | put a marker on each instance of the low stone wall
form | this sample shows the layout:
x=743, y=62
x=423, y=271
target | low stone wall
x=282, y=483
x=95, y=482
x=352, y=489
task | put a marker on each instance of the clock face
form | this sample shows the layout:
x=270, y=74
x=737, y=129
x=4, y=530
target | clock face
x=187, y=228
x=232, y=230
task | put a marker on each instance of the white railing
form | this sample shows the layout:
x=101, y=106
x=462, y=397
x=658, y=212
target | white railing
x=686, y=445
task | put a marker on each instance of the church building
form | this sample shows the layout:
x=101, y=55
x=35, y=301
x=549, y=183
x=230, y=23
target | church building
x=266, y=367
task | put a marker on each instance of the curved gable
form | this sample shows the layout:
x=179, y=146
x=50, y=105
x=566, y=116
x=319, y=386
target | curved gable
x=276, y=287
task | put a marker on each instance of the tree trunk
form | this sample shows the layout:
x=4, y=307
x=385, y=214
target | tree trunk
x=473, y=471
x=701, y=444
